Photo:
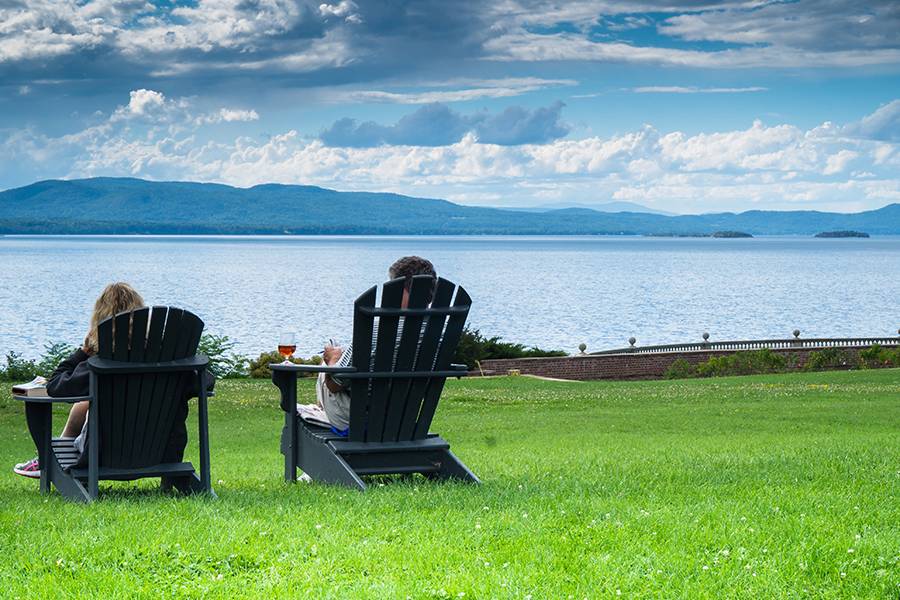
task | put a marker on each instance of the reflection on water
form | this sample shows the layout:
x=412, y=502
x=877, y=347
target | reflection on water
x=551, y=292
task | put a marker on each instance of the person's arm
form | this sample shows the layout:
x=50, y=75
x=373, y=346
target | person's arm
x=72, y=377
x=330, y=356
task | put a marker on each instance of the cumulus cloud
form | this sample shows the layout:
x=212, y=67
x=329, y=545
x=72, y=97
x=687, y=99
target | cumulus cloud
x=837, y=163
x=438, y=125
x=768, y=166
x=230, y=115
x=883, y=124
x=144, y=100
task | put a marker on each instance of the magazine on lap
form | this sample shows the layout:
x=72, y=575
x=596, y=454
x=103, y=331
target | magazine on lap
x=35, y=387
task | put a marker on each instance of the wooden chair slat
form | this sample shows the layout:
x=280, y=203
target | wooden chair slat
x=152, y=352
x=190, y=329
x=385, y=347
x=419, y=297
x=448, y=344
x=105, y=339
x=136, y=353
x=121, y=334
x=434, y=329
x=166, y=386
x=362, y=354
x=138, y=346
x=155, y=333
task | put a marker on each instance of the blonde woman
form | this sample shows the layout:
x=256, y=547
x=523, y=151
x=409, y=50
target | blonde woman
x=72, y=377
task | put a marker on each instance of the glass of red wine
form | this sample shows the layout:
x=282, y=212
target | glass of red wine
x=287, y=345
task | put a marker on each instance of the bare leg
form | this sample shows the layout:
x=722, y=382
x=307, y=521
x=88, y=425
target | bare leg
x=77, y=416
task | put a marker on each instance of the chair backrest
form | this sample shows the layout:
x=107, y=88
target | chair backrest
x=420, y=338
x=137, y=410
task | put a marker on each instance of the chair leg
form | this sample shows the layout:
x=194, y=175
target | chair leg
x=453, y=468
x=187, y=485
x=68, y=486
x=321, y=463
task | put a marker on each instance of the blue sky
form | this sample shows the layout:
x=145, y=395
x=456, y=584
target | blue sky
x=685, y=106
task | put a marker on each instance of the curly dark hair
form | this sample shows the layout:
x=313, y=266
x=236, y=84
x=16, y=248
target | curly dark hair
x=409, y=266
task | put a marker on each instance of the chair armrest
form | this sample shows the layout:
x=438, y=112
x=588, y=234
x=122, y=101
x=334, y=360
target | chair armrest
x=52, y=400
x=310, y=368
x=461, y=370
x=105, y=365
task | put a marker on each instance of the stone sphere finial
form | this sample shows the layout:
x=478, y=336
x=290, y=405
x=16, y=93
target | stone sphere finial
x=582, y=347
x=705, y=336
x=631, y=341
x=796, y=333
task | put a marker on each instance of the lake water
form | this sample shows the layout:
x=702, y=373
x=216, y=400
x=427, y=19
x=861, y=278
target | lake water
x=547, y=291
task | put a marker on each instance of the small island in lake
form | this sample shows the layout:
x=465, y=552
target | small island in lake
x=842, y=234
x=731, y=234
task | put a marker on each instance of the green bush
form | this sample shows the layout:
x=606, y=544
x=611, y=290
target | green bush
x=680, y=369
x=20, y=370
x=224, y=363
x=475, y=347
x=259, y=367
x=876, y=356
x=828, y=358
x=748, y=362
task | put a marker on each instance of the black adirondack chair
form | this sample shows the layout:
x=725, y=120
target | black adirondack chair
x=395, y=386
x=145, y=363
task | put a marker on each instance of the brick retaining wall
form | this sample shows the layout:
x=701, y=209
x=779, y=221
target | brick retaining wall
x=625, y=366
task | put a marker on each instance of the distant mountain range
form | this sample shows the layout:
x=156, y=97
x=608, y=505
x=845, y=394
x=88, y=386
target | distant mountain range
x=134, y=206
x=606, y=207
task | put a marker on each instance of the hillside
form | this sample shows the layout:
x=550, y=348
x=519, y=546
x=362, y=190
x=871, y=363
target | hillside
x=123, y=206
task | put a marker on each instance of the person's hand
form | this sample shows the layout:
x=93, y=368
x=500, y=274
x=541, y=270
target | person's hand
x=86, y=347
x=332, y=354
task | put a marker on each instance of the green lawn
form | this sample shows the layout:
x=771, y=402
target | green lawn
x=756, y=487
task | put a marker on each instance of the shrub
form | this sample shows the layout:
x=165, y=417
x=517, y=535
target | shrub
x=259, y=367
x=875, y=356
x=828, y=358
x=224, y=363
x=743, y=363
x=20, y=370
x=680, y=369
x=473, y=346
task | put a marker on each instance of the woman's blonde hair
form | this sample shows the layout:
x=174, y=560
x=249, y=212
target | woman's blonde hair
x=115, y=298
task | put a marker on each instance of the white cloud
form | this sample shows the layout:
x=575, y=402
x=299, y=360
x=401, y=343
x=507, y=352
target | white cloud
x=531, y=47
x=47, y=28
x=837, y=163
x=144, y=100
x=677, y=89
x=486, y=88
x=229, y=115
x=768, y=166
x=345, y=9
x=140, y=32
x=883, y=124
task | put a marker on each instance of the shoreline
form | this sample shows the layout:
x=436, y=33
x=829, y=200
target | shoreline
x=404, y=236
